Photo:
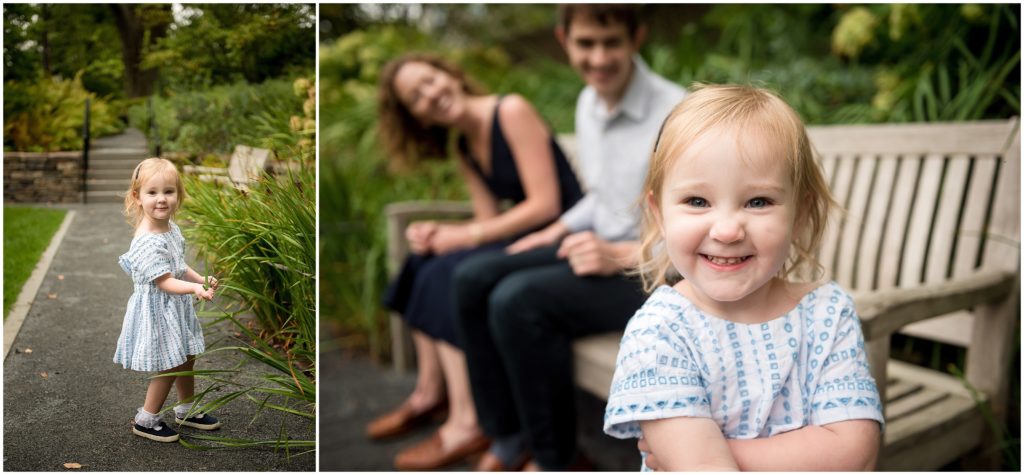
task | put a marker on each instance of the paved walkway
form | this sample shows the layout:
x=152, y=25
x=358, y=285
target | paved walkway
x=353, y=390
x=67, y=402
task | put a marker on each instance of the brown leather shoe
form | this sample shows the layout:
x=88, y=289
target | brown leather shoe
x=491, y=463
x=430, y=454
x=403, y=419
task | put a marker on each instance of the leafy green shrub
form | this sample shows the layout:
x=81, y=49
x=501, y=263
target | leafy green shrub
x=217, y=119
x=48, y=114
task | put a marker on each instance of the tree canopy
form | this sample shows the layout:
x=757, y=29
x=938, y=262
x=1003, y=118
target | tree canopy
x=126, y=50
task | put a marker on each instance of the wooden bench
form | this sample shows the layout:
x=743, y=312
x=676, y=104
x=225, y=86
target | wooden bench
x=244, y=167
x=929, y=246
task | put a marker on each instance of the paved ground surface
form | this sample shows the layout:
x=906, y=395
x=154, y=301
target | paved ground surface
x=353, y=390
x=66, y=401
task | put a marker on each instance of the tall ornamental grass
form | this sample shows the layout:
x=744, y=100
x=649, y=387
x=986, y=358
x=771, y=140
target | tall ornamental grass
x=261, y=243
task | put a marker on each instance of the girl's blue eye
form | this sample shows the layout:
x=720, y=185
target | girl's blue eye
x=759, y=203
x=696, y=202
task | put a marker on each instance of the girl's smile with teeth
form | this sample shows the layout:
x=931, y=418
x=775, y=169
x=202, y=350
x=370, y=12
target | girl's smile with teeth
x=724, y=261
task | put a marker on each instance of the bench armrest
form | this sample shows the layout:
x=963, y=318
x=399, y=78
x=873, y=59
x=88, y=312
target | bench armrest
x=884, y=312
x=400, y=214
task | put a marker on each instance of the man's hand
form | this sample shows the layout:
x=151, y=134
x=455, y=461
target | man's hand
x=591, y=255
x=419, y=234
x=545, y=237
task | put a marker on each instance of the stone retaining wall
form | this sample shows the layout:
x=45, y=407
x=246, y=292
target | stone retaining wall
x=53, y=177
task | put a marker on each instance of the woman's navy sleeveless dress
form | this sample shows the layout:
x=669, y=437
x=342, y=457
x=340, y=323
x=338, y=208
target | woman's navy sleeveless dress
x=422, y=291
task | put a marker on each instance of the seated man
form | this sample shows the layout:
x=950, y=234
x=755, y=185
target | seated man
x=519, y=311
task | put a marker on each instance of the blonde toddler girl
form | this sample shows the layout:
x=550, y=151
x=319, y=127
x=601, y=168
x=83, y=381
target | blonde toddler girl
x=160, y=332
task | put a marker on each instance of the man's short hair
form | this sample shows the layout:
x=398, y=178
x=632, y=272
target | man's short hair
x=604, y=13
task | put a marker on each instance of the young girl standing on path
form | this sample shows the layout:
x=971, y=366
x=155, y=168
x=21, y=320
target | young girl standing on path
x=160, y=330
x=735, y=365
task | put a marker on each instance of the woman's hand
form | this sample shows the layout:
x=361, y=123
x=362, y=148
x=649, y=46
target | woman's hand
x=419, y=235
x=202, y=293
x=451, y=237
x=212, y=282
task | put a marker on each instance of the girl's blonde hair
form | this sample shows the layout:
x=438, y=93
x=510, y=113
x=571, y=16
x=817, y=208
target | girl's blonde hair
x=143, y=171
x=754, y=112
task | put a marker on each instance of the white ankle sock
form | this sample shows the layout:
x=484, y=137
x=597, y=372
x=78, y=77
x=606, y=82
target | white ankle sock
x=146, y=419
x=181, y=410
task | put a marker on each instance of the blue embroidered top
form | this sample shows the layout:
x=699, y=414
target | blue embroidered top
x=807, y=367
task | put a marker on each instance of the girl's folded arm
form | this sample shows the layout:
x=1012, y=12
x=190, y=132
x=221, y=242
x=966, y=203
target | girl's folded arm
x=844, y=446
x=688, y=443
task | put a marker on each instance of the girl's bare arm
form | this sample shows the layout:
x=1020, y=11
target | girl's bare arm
x=688, y=443
x=844, y=446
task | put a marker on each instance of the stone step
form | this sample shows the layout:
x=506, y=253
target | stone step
x=113, y=163
x=109, y=174
x=119, y=151
x=105, y=196
x=130, y=137
x=103, y=184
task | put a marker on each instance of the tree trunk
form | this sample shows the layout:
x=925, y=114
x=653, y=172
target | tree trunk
x=46, y=40
x=132, y=27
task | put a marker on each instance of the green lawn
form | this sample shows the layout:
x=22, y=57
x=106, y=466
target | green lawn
x=27, y=233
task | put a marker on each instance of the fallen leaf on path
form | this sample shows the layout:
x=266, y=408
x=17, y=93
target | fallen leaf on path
x=51, y=296
x=44, y=374
x=72, y=465
x=60, y=277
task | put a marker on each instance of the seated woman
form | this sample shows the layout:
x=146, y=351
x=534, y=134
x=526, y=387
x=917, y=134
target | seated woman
x=505, y=153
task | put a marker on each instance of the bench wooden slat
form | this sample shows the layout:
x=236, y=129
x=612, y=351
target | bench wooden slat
x=944, y=230
x=952, y=329
x=899, y=388
x=978, y=137
x=921, y=219
x=968, y=249
x=856, y=213
x=906, y=406
x=1002, y=249
x=874, y=224
x=896, y=224
x=932, y=437
x=841, y=192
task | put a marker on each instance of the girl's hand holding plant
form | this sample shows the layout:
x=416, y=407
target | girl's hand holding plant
x=211, y=282
x=202, y=292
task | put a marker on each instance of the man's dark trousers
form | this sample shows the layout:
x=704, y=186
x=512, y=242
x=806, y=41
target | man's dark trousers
x=517, y=316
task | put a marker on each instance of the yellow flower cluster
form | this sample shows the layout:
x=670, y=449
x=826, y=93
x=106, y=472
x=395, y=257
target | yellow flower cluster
x=856, y=30
x=306, y=125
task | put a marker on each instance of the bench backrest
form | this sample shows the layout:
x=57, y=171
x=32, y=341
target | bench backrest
x=247, y=163
x=924, y=203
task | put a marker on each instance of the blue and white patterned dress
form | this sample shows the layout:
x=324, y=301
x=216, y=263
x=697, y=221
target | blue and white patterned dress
x=160, y=329
x=807, y=367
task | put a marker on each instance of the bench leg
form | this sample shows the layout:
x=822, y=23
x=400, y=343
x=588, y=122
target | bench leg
x=403, y=358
